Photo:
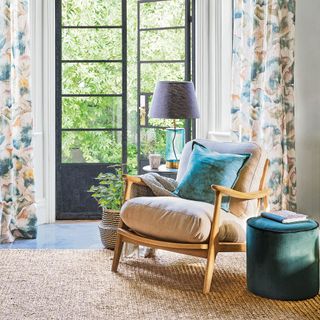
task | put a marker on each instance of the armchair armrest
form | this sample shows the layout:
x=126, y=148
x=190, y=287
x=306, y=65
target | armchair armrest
x=261, y=195
x=240, y=195
x=133, y=180
x=130, y=180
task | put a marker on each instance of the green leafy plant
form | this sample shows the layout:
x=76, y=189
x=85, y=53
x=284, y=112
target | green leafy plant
x=109, y=193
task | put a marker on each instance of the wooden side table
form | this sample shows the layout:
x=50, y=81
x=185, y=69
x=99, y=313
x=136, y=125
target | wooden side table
x=162, y=170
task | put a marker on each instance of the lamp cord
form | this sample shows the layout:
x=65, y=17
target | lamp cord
x=174, y=138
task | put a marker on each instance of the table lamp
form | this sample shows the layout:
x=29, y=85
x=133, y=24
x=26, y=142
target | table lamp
x=174, y=100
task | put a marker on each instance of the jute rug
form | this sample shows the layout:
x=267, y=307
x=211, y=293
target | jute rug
x=78, y=284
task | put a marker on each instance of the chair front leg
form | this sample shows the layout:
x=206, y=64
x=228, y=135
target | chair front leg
x=117, y=253
x=117, y=250
x=119, y=242
x=213, y=244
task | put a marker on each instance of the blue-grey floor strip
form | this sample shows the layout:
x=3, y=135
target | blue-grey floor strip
x=83, y=235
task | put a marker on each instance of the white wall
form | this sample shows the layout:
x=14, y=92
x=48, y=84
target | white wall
x=36, y=23
x=43, y=102
x=308, y=106
x=213, y=67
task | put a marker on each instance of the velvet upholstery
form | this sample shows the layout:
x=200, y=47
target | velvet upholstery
x=274, y=226
x=282, y=259
x=206, y=168
x=249, y=177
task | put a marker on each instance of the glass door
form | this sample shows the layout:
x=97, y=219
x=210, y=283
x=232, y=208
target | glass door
x=91, y=99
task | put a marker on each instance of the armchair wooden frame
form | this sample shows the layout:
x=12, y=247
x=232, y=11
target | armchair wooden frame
x=207, y=250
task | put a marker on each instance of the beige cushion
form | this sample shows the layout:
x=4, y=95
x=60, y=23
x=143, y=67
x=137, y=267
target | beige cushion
x=179, y=220
x=250, y=175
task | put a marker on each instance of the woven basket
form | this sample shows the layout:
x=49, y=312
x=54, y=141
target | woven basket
x=108, y=228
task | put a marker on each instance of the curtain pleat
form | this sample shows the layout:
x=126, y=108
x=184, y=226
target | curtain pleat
x=263, y=88
x=18, y=212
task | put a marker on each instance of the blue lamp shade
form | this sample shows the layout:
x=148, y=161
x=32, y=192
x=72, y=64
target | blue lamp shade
x=174, y=100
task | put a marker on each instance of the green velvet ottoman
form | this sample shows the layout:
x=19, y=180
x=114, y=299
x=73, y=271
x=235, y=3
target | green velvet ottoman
x=282, y=259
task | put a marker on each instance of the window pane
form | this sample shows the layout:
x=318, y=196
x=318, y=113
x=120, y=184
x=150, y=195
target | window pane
x=91, y=147
x=91, y=44
x=91, y=12
x=93, y=112
x=153, y=141
x=82, y=78
x=170, y=45
x=132, y=165
x=162, y=14
x=151, y=73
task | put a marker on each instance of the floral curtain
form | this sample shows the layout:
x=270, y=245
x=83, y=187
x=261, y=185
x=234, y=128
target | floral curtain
x=263, y=88
x=17, y=208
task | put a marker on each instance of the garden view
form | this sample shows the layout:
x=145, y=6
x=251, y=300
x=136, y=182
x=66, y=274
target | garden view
x=101, y=115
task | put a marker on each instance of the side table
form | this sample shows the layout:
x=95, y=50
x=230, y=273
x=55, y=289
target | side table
x=162, y=170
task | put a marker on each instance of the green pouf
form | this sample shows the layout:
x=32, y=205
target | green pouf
x=282, y=259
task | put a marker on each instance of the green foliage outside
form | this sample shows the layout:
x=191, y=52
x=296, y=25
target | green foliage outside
x=105, y=112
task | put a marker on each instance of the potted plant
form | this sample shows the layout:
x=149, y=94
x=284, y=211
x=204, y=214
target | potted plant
x=109, y=194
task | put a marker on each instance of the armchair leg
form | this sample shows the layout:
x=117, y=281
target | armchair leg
x=117, y=253
x=213, y=244
x=209, y=272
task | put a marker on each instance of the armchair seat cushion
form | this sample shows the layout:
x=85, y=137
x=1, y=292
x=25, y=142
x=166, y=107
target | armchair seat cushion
x=179, y=220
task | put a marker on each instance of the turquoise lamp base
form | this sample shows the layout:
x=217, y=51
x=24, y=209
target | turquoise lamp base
x=172, y=164
x=175, y=141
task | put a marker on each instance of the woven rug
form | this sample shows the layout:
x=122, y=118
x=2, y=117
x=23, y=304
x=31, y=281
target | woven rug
x=78, y=284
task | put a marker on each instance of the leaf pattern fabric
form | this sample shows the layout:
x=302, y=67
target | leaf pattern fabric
x=263, y=88
x=17, y=206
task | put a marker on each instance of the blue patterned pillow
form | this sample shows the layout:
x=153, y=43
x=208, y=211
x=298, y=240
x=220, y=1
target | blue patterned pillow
x=206, y=168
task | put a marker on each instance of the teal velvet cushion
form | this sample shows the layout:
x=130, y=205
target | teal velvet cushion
x=274, y=226
x=205, y=168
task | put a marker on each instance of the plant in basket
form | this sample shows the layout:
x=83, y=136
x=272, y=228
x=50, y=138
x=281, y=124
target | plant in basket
x=109, y=194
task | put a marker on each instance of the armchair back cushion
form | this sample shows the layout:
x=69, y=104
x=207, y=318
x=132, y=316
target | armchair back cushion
x=249, y=177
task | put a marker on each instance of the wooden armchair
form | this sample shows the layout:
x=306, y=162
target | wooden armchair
x=209, y=248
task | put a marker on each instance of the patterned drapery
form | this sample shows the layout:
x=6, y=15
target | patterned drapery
x=263, y=88
x=17, y=206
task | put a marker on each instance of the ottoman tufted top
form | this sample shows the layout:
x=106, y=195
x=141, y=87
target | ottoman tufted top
x=274, y=226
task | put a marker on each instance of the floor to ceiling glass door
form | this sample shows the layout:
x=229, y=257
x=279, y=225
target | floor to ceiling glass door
x=91, y=87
